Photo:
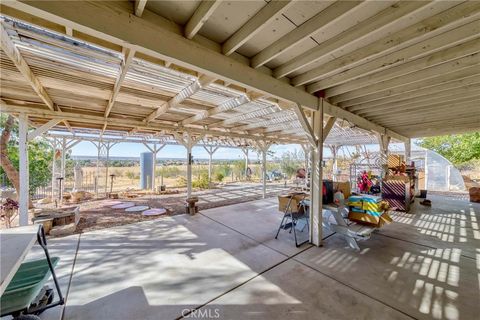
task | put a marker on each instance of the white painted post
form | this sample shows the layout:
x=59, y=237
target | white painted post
x=23, y=169
x=62, y=167
x=54, y=144
x=335, y=149
x=316, y=179
x=384, y=141
x=107, y=146
x=263, y=147
x=97, y=171
x=264, y=172
x=408, y=151
x=189, y=167
x=154, y=166
x=245, y=152
x=210, y=150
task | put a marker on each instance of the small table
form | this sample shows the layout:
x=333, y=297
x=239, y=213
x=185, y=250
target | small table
x=14, y=245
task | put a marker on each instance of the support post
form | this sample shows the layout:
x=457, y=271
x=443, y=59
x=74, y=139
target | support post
x=62, y=167
x=263, y=147
x=334, y=150
x=316, y=176
x=306, y=151
x=107, y=147
x=245, y=152
x=210, y=150
x=188, y=141
x=384, y=141
x=408, y=151
x=23, y=169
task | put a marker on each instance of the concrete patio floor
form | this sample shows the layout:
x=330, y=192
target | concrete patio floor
x=225, y=263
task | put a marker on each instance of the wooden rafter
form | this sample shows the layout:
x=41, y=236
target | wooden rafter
x=139, y=7
x=226, y=106
x=126, y=62
x=200, y=17
x=269, y=12
x=12, y=52
x=202, y=82
x=329, y=15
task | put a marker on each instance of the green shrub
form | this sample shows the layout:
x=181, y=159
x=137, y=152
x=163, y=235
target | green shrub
x=201, y=181
x=219, y=176
x=181, y=182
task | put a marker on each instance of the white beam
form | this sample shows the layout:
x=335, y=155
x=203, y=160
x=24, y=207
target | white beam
x=196, y=86
x=269, y=12
x=305, y=125
x=12, y=52
x=402, y=69
x=316, y=179
x=227, y=105
x=428, y=86
x=361, y=122
x=393, y=43
x=136, y=124
x=139, y=7
x=363, y=32
x=43, y=128
x=112, y=21
x=310, y=27
x=126, y=62
x=424, y=49
x=23, y=193
x=200, y=16
x=328, y=127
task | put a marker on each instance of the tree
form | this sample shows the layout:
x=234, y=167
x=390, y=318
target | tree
x=291, y=162
x=39, y=157
x=458, y=148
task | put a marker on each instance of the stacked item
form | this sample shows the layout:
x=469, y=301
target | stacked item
x=368, y=209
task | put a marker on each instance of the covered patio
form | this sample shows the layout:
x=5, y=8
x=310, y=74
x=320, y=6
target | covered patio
x=225, y=262
x=249, y=75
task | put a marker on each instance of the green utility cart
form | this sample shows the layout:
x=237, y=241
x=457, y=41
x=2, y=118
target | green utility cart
x=24, y=293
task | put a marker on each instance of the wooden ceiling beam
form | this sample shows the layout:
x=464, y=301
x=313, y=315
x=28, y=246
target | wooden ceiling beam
x=394, y=43
x=305, y=30
x=391, y=19
x=200, y=17
x=193, y=88
x=126, y=62
x=139, y=6
x=268, y=13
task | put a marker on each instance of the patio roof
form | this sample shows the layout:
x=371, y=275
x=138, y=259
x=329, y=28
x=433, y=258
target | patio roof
x=241, y=69
x=80, y=76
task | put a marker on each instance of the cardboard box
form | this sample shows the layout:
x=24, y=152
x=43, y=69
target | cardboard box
x=284, y=199
x=344, y=187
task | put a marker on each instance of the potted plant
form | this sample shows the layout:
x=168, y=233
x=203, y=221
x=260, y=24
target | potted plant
x=9, y=207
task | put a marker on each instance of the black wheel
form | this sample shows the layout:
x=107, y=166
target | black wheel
x=27, y=317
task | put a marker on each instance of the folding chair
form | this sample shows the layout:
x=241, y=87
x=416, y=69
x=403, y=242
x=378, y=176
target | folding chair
x=295, y=215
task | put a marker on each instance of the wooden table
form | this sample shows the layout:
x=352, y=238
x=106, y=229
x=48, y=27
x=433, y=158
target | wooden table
x=15, y=243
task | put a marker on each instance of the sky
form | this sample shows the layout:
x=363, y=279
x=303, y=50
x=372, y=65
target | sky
x=125, y=149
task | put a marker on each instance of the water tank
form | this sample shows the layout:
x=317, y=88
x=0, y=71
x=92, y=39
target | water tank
x=146, y=170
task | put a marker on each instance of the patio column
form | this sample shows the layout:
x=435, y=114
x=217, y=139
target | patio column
x=188, y=141
x=108, y=146
x=62, y=166
x=23, y=169
x=316, y=177
x=408, y=151
x=334, y=150
x=155, y=151
x=210, y=150
x=384, y=141
x=263, y=146
x=245, y=152
x=306, y=152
